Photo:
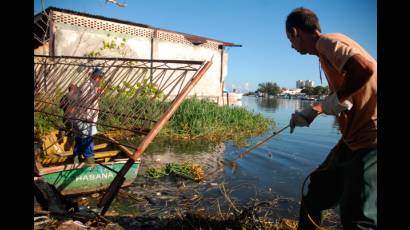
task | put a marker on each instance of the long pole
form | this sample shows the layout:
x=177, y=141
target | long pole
x=258, y=144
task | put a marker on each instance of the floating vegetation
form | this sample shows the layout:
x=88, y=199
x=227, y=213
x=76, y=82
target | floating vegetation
x=186, y=170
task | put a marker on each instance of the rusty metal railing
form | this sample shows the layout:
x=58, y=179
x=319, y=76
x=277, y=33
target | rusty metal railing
x=130, y=96
x=138, y=95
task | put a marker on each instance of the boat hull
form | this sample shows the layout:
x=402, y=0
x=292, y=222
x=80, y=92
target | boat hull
x=70, y=179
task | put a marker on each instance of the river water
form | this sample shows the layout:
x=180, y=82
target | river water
x=283, y=162
x=273, y=172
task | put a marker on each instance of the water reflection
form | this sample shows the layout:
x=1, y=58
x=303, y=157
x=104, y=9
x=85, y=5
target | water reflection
x=273, y=104
x=270, y=103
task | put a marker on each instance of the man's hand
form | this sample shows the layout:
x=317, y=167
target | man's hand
x=332, y=106
x=302, y=118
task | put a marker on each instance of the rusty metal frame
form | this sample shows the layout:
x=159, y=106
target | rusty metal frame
x=61, y=70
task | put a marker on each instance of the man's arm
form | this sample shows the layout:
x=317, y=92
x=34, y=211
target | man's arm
x=358, y=71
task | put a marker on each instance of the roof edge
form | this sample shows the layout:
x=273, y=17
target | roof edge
x=188, y=36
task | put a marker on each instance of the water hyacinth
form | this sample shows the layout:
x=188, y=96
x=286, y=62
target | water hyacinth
x=204, y=119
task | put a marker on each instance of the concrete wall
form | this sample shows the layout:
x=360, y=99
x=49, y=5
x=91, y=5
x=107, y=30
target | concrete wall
x=209, y=85
x=72, y=40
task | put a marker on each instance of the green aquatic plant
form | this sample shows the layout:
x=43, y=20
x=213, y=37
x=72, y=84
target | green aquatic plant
x=186, y=170
x=202, y=119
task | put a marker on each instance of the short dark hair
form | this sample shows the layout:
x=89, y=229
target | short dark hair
x=97, y=72
x=303, y=19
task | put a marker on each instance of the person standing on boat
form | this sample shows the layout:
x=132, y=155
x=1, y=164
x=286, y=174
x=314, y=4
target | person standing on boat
x=85, y=126
x=348, y=176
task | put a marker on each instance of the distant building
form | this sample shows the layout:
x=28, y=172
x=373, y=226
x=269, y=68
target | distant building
x=300, y=84
x=309, y=83
x=291, y=92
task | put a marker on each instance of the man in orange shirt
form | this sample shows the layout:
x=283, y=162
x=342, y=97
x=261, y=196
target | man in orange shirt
x=348, y=176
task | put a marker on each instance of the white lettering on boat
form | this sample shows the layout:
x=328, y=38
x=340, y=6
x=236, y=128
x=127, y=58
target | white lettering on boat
x=94, y=177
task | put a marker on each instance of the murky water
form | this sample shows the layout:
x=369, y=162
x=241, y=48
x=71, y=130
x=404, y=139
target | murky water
x=273, y=172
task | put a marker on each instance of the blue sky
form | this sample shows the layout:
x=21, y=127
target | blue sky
x=258, y=25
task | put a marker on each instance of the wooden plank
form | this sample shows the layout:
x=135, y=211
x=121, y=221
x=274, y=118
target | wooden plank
x=117, y=144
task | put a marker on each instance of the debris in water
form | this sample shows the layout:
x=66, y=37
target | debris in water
x=185, y=170
x=95, y=195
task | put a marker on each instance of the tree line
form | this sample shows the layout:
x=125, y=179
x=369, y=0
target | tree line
x=273, y=89
x=318, y=90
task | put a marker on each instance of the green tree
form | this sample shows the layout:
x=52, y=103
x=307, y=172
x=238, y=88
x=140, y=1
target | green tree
x=320, y=90
x=269, y=88
x=308, y=90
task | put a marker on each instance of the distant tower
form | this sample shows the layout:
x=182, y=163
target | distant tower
x=309, y=83
x=300, y=84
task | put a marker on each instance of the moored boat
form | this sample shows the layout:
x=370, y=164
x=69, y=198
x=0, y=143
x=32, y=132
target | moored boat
x=76, y=179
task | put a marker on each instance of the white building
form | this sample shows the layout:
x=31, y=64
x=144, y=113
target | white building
x=71, y=33
x=291, y=92
x=309, y=83
x=300, y=84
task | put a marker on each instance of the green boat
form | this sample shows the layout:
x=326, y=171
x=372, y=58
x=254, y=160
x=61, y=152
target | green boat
x=72, y=179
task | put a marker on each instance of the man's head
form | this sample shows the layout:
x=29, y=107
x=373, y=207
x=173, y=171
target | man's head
x=97, y=75
x=302, y=26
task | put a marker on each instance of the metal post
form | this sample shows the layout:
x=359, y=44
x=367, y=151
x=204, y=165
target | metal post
x=221, y=76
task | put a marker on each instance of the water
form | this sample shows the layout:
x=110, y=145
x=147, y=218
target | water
x=274, y=170
x=282, y=164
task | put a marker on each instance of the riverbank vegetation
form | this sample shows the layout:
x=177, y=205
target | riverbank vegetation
x=201, y=119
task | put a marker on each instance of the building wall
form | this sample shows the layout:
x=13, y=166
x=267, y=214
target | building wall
x=74, y=40
x=209, y=85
